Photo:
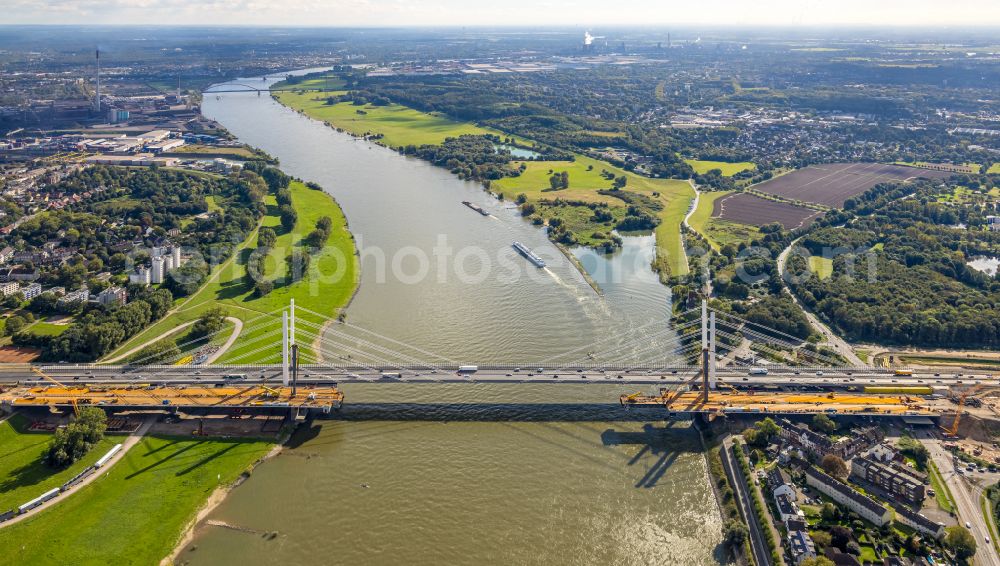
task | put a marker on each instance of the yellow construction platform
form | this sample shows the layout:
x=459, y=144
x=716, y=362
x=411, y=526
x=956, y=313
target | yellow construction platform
x=183, y=396
x=784, y=403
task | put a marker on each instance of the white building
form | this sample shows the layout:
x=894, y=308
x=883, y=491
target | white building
x=31, y=291
x=157, y=271
x=6, y=254
x=113, y=296
x=866, y=507
x=141, y=276
x=9, y=288
x=993, y=223
x=80, y=295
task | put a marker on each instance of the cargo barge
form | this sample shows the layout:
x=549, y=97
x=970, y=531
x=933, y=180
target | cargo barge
x=529, y=255
x=475, y=207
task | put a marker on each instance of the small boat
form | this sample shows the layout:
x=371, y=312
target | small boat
x=475, y=207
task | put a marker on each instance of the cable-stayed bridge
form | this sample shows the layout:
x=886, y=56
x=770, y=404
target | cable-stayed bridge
x=700, y=354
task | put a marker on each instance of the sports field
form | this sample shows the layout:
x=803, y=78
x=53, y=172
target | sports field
x=832, y=184
x=752, y=210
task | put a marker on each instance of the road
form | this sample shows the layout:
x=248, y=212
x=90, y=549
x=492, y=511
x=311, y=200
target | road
x=966, y=501
x=786, y=377
x=832, y=339
x=761, y=555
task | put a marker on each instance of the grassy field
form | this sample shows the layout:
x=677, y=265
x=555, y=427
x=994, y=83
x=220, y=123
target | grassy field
x=196, y=149
x=399, y=125
x=941, y=492
x=23, y=473
x=994, y=169
x=322, y=81
x=728, y=169
x=585, y=180
x=821, y=266
x=333, y=276
x=42, y=328
x=136, y=514
x=717, y=231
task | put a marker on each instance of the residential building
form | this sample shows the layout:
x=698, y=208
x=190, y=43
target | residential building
x=140, y=276
x=9, y=288
x=6, y=254
x=840, y=558
x=845, y=495
x=993, y=223
x=919, y=523
x=787, y=509
x=81, y=295
x=893, y=481
x=776, y=481
x=157, y=271
x=113, y=296
x=31, y=291
x=801, y=546
x=818, y=445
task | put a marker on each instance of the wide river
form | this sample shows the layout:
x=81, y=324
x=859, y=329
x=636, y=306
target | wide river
x=468, y=474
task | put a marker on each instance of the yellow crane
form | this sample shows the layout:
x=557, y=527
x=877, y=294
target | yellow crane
x=953, y=430
x=47, y=377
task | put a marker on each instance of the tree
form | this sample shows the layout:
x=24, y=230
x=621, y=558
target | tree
x=324, y=223
x=210, y=322
x=914, y=449
x=74, y=440
x=15, y=324
x=266, y=237
x=620, y=182
x=960, y=541
x=298, y=265
x=821, y=538
x=829, y=512
x=263, y=287
x=823, y=423
x=288, y=217
x=284, y=197
x=736, y=532
x=834, y=466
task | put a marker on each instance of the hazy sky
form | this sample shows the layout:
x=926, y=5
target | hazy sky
x=557, y=13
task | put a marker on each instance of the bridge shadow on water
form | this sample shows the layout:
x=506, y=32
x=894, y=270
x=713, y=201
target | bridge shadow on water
x=497, y=412
x=662, y=444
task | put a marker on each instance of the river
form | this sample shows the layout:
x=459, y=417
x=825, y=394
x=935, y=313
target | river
x=469, y=474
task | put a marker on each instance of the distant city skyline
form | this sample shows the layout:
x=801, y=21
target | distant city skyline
x=557, y=13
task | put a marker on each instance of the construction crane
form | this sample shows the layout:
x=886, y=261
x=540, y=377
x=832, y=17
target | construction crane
x=47, y=377
x=953, y=430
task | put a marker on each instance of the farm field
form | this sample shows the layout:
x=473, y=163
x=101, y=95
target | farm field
x=755, y=211
x=728, y=169
x=136, y=513
x=832, y=184
x=717, y=231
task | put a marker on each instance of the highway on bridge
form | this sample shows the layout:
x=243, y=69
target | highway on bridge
x=786, y=377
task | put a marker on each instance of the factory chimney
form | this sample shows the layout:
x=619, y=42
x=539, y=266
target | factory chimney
x=97, y=99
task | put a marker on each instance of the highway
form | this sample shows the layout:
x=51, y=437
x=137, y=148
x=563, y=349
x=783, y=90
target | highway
x=785, y=377
x=966, y=501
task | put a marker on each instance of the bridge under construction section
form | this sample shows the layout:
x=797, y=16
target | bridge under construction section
x=732, y=366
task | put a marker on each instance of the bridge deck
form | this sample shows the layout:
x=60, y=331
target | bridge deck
x=784, y=403
x=181, y=396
